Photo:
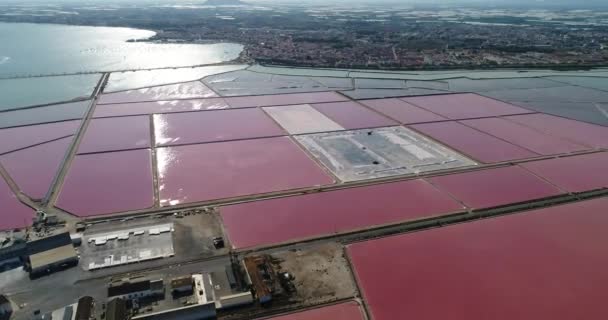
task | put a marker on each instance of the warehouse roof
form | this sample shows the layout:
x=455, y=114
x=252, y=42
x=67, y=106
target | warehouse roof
x=52, y=256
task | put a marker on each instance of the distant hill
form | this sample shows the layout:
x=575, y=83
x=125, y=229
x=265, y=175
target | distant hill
x=225, y=2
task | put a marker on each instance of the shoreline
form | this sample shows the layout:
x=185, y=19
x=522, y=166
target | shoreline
x=244, y=57
x=128, y=40
x=49, y=75
x=78, y=25
x=149, y=39
x=521, y=68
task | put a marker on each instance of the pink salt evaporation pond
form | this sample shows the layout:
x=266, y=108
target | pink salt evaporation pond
x=105, y=183
x=33, y=169
x=580, y=132
x=495, y=187
x=544, y=264
x=525, y=137
x=465, y=106
x=13, y=214
x=479, y=145
x=574, y=174
x=302, y=217
x=21, y=137
x=404, y=112
x=202, y=172
x=199, y=127
x=155, y=107
x=114, y=134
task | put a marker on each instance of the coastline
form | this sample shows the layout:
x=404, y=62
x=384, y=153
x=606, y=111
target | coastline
x=54, y=24
x=245, y=58
x=95, y=49
x=148, y=39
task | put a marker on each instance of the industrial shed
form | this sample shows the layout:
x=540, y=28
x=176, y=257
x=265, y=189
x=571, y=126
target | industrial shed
x=51, y=254
x=52, y=260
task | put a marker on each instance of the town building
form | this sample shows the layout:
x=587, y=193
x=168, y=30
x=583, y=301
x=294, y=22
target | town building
x=85, y=309
x=136, y=289
x=200, y=295
x=182, y=286
x=203, y=306
x=117, y=309
x=12, y=254
x=6, y=309
x=65, y=313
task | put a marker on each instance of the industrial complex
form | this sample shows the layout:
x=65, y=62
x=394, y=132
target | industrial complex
x=335, y=195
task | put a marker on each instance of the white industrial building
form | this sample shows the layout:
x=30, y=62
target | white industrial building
x=204, y=302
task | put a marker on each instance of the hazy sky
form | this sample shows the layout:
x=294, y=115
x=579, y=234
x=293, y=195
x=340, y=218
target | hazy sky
x=505, y=3
x=328, y=1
